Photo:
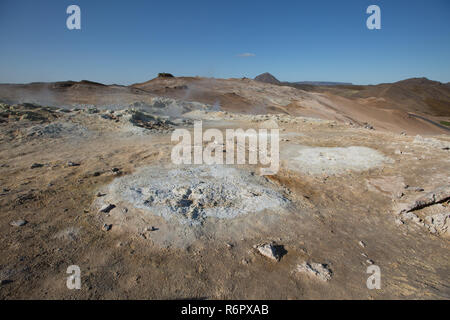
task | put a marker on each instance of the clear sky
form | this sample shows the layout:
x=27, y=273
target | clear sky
x=131, y=41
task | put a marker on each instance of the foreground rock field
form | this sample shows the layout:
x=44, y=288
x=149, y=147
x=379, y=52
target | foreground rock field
x=95, y=187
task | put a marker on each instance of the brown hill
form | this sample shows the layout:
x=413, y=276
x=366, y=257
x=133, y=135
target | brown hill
x=385, y=106
x=69, y=93
x=411, y=95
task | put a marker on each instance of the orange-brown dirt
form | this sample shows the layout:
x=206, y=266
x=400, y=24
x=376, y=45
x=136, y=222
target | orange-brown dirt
x=57, y=165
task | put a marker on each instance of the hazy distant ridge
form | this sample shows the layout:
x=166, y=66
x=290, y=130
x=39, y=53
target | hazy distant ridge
x=324, y=83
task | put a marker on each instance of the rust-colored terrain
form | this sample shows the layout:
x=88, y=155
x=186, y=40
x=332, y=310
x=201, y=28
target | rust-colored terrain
x=86, y=179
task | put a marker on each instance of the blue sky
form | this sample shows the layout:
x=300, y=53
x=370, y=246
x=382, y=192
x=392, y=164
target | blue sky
x=131, y=41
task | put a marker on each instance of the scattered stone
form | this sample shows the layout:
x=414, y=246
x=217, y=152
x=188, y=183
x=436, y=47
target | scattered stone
x=439, y=223
x=153, y=123
x=99, y=194
x=362, y=244
x=36, y=165
x=411, y=216
x=271, y=250
x=107, y=208
x=439, y=195
x=143, y=235
x=370, y=261
x=319, y=270
x=399, y=222
x=5, y=282
x=19, y=223
x=91, y=110
x=107, y=227
x=416, y=189
x=115, y=170
x=72, y=164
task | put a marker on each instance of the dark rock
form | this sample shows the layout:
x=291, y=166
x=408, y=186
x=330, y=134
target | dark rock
x=5, y=282
x=107, y=208
x=165, y=75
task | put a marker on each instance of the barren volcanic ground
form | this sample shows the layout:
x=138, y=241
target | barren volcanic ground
x=96, y=187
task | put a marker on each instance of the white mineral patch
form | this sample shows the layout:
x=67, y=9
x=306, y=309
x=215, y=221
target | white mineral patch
x=192, y=193
x=327, y=160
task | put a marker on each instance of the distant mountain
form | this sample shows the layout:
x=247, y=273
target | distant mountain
x=267, y=78
x=324, y=83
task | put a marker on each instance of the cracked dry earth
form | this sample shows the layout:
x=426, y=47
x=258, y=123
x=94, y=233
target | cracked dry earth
x=97, y=190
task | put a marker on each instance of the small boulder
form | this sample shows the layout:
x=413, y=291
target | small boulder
x=19, y=223
x=416, y=189
x=36, y=165
x=271, y=251
x=319, y=270
x=5, y=282
x=107, y=208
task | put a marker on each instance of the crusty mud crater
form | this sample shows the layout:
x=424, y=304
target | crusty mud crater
x=190, y=197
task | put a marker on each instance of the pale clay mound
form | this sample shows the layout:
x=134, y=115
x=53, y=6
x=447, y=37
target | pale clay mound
x=336, y=160
x=191, y=194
